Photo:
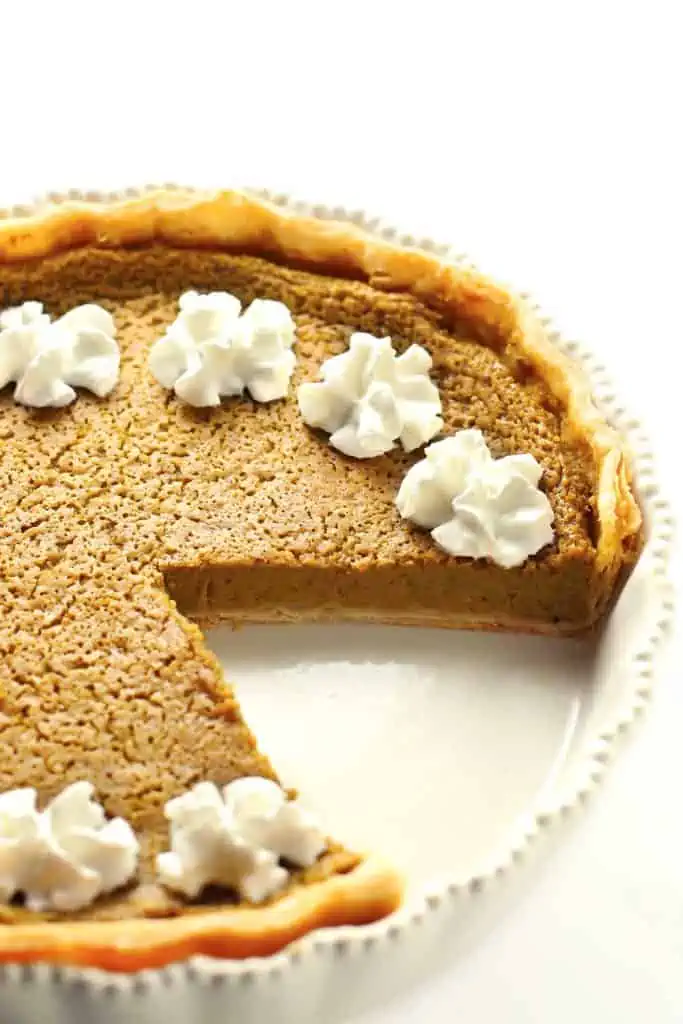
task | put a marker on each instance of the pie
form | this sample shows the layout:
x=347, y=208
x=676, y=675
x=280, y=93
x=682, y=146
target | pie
x=127, y=522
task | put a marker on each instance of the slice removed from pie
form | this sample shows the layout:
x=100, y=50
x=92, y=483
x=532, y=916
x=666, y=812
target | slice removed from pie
x=127, y=520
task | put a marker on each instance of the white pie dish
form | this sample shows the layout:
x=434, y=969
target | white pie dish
x=493, y=783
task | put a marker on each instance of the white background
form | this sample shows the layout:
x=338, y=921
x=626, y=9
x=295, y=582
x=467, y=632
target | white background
x=543, y=139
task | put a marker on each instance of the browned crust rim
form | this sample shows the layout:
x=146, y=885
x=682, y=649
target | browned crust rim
x=368, y=893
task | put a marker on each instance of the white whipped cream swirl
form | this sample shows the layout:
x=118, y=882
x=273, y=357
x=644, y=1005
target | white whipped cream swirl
x=236, y=838
x=476, y=506
x=210, y=351
x=66, y=856
x=369, y=398
x=48, y=359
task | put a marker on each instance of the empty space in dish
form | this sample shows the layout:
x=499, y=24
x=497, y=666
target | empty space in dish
x=427, y=745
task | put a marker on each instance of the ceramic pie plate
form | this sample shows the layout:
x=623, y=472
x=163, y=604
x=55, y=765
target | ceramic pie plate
x=458, y=755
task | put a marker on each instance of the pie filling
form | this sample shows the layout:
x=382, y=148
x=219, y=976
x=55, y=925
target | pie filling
x=240, y=512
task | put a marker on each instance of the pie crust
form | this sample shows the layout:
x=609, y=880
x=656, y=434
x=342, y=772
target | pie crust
x=370, y=892
x=233, y=220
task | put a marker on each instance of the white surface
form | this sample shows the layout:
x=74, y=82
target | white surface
x=544, y=142
x=402, y=735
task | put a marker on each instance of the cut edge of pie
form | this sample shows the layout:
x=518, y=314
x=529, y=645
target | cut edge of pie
x=233, y=220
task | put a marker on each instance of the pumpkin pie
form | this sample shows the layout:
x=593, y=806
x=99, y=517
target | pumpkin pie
x=127, y=522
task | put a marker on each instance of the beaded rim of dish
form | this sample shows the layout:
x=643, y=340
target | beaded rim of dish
x=550, y=809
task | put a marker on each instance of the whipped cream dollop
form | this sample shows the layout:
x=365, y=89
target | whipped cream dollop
x=477, y=506
x=47, y=359
x=236, y=838
x=369, y=398
x=66, y=856
x=212, y=350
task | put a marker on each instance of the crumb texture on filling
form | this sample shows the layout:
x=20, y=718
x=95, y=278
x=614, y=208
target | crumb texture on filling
x=106, y=502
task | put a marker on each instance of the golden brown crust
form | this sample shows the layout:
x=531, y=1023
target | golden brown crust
x=369, y=892
x=234, y=220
